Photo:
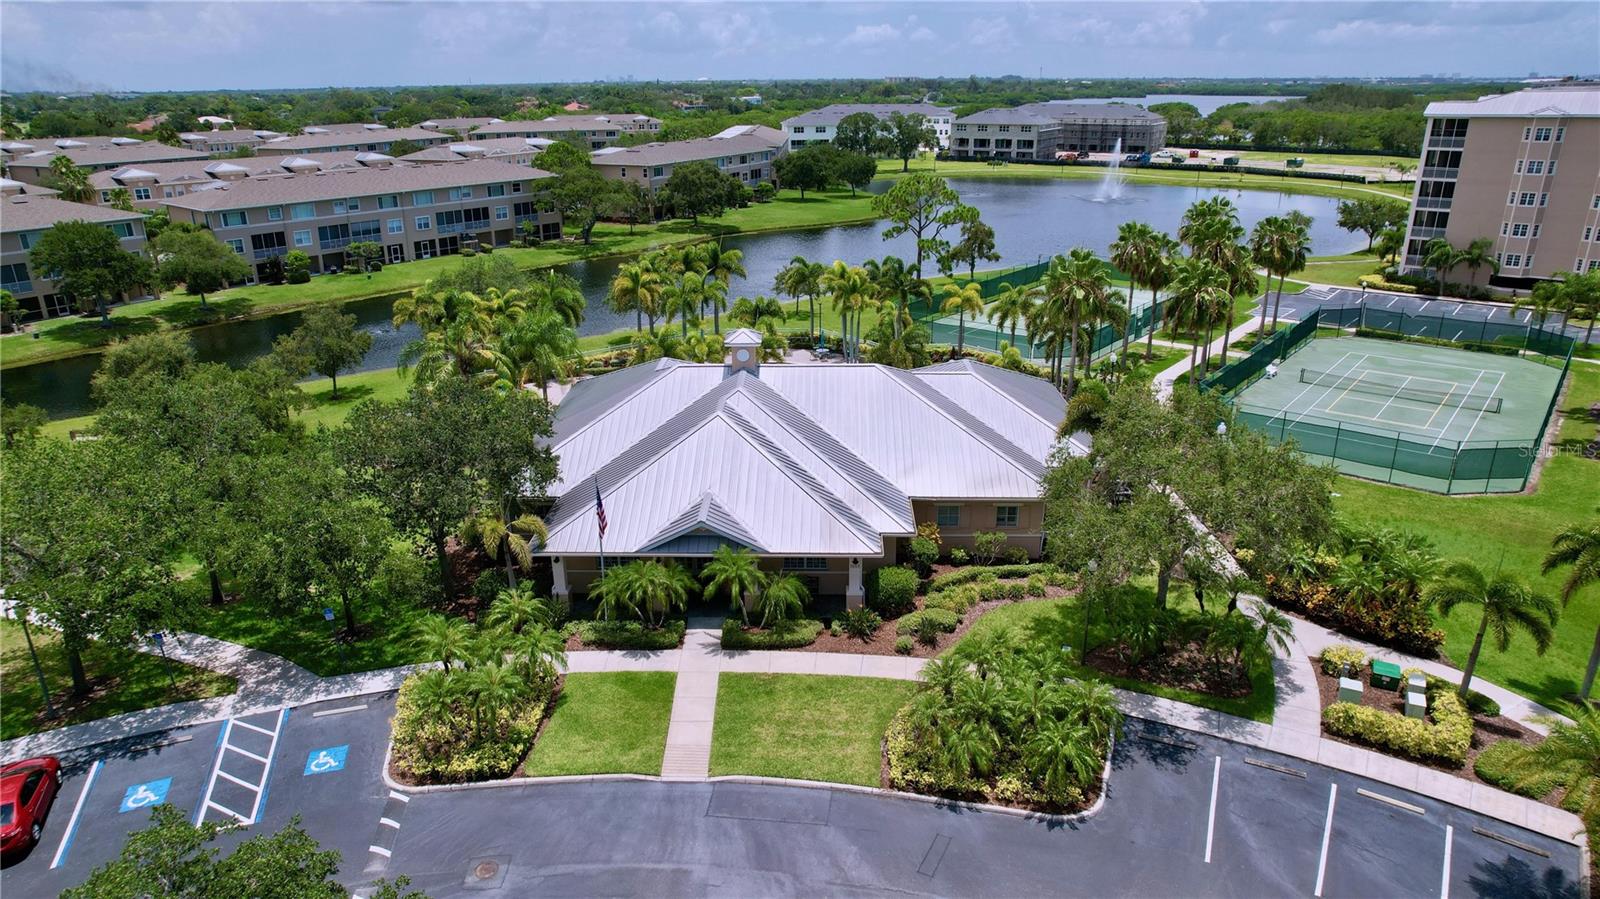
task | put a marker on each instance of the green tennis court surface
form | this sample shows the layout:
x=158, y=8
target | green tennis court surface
x=1432, y=417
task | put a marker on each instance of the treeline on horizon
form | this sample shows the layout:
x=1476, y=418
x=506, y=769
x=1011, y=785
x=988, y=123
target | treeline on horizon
x=1381, y=117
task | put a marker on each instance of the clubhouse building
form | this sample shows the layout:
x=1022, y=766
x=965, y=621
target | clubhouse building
x=823, y=470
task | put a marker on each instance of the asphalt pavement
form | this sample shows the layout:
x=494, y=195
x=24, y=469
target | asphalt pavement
x=1186, y=815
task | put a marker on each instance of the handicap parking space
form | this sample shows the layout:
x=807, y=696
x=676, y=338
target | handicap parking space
x=236, y=790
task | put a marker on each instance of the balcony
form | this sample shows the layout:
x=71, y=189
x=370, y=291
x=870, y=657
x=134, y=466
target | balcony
x=1446, y=143
x=1443, y=174
x=1421, y=233
x=17, y=286
x=270, y=252
x=1433, y=202
x=452, y=228
x=338, y=243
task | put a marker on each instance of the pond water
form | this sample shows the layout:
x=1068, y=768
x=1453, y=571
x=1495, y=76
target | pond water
x=1032, y=218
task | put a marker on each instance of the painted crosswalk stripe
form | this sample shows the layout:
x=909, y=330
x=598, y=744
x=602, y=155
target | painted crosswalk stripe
x=380, y=851
x=389, y=822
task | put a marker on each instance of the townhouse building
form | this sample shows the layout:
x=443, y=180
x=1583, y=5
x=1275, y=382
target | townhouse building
x=365, y=138
x=1044, y=130
x=26, y=212
x=229, y=141
x=598, y=130
x=412, y=211
x=151, y=185
x=746, y=152
x=515, y=150
x=29, y=161
x=821, y=125
x=1521, y=169
x=462, y=126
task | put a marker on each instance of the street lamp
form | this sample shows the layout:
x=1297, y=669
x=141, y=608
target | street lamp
x=44, y=688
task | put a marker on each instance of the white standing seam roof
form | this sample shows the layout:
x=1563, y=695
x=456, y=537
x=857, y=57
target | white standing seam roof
x=796, y=459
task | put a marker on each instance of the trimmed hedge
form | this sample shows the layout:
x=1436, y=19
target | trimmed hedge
x=892, y=591
x=944, y=619
x=627, y=634
x=1337, y=656
x=1446, y=740
x=1493, y=766
x=788, y=635
x=988, y=572
x=957, y=599
x=434, y=749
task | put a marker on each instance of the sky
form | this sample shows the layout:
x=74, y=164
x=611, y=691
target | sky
x=177, y=45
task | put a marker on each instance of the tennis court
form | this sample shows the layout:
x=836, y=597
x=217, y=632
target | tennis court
x=984, y=335
x=1433, y=417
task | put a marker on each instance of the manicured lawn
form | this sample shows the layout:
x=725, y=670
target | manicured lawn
x=303, y=637
x=1351, y=159
x=123, y=680
x=1341, y=270
x=1511, y=532
x=1055, y=623
x=606, y=723
x=808, y=727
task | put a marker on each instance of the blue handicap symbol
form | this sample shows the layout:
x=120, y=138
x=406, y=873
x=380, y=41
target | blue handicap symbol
x=145, y=795
x=324, y=761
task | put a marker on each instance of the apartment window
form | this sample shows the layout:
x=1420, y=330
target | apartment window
x=1527, y=133
x=501, y=213
x=234, y=219
x=303, y=211
x=516, y=187
x=238, y=245
x=423, y=223
x=122, y=229
x=1517, y=169
x=947, y=516
x=339, y=207
x=1512, y=199
x=268, y=244
x=1536, y=166
x=14, y=275
x=422, y=198
x=1005, y=128
x=1544, y=199
x=1005, y=516
x=460, y=193
x=25, y=240
x=1595, y=203
x=389, y=201
x=1543, y=135
x=1535, y=229
x=1527, y=199
x=302, y=238
x=332, y=237
x=1517, y=230
x=983, y=127
x=397, y=226
x=1552, y=166
x=1505, y=228
x=1588, y=233
x=141, y=193
x=658, y=171
x=805, y=563
x=497, y=190
x=166, y=192
x=1560, y=133
x=798, y=129
x=820, y=129
x=371, y=231
x=1513, y=260
x=961, y=127
x=105, y=196
x=1026, y=129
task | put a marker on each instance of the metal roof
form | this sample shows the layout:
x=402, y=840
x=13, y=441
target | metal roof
x=1580, y=100
x=834, y=113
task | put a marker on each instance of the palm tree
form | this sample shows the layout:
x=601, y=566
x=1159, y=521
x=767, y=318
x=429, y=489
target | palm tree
x=1440, y=256
x=558, y=293
x=964, y=300
x=1061, y=755
x=1077, y=288
x=1478, y=254
x=540, y=347
x=721, y=265
x=1544, y=299
x=539, y=652
x=662, y=589
x=1570, y=756
x=1578, y=545
x=685, y=299
x=1012, y=306
x=71, y=181
x=801, y=278
x=1136, y=252
x=445, y=639
x=968, y=748
x=434, y=694
x=507, y=539
x=637, y=288
x=1158, y=277
x=785, y=598
x=458, y=350
x=1279, y=247
x=895, y=282
x=738, y=571
x=1508, y=606
x=853, y=293
x=493, y=687
x=616, y=592
x=517, y=608
x=1094, y=705
x=1389, y=242
x=1198, y=287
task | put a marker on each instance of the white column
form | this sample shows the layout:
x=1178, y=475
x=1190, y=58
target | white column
x=558, y=574
x=854, y=593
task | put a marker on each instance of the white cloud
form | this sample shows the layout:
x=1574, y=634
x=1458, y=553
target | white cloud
x=995, y=33
x=872, y=34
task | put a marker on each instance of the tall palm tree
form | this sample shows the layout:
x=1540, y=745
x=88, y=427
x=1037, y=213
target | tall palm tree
x=720, y=265
x=71, y=181
x=1077, y=288
x=964, y=300
x=507, y=536
x=460, y=349
x=637, y=289
x=896, y=283
x=801, y=278
x=1578, y=546
x=1542, y=301
x=1440, y=256
x=1279, y=246
x=1508, y=606
x=517, y=608
x=558, y=293
x=686, y=299
x=540, y=347
x=1477, y=254
x=445, y=639
x=1569, y=755
x=663, y=587
x=1158, y=277
x=853, y=293
x=1198, y=288
x=1012, y=306
x=1135, y=252
x=737, y=571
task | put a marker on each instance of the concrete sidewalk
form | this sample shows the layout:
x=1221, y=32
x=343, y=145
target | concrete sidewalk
x=1168, y=376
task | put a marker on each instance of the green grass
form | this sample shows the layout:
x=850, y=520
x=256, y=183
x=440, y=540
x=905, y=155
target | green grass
x=1350, y=159
x=606, y=723
x=808, y=727
x=1341, y=270
x=303, y=637
x=123, y=680
x=1512, y=532
x=1055, y=623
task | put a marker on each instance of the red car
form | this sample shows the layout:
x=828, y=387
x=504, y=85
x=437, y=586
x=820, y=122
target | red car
x=27, y=790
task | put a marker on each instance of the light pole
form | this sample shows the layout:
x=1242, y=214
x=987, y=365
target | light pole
x=44, y=687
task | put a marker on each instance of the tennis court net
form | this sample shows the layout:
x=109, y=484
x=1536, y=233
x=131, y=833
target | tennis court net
x=1375, y=383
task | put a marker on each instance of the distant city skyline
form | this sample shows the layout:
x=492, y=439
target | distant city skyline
x=95, y=46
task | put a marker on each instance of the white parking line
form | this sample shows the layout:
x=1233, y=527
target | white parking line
x=380, y=850
x=247, y=725
x=1327, y=834
x=1211, y=816
x=259, y=788
x=345, y=710
x=396, y=794
x=226, y=811
x=238, y=780
x=246, y=753
x=1449, y=844
x=77, y=809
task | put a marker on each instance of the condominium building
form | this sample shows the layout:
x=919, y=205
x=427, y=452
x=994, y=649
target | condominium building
x=461, y=126
x=515, y=150
x=29, y=160
x=228, y=141
x=743, y=151
x=413, y=211
x=26, y=212
x=150, y=186
x=368, y=138
x=598, y=130
x=1043, y=130
x=821, y=125
x=1521, y=169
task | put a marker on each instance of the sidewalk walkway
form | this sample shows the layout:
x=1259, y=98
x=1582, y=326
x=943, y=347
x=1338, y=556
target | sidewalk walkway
x=1168, y=376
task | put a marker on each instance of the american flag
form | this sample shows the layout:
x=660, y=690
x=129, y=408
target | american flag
x=599, y=508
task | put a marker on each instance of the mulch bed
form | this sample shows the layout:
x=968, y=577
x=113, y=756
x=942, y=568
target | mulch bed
x=882, y=642
x=1185, y=667
x=1486, y=731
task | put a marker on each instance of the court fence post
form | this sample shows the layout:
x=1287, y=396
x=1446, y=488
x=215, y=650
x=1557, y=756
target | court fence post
x=1394, y=458
x=1450, y=482
x=1338, y=428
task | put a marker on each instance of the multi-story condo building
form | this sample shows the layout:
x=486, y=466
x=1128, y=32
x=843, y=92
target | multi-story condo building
x=368, y=138
x=462, y=125
x=1043, y=130
x=1521, y=169
x=27, y=211
x=413, y=211
x=151, y=185
x=820, y=126
x=599, y=130
x=29, y=161
x=228, y=141
x=743, y=151
x=515, y=150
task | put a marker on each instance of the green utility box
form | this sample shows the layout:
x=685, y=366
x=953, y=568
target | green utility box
x=1385, y=676
x=1230, y=160
x=1294, y=162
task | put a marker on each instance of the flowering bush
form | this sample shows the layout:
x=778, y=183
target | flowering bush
x=1389, y=619
x=1446, y=740
x=1342, y=657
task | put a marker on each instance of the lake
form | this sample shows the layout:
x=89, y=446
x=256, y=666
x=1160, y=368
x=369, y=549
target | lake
x=1032, y=218
x=1206, y=103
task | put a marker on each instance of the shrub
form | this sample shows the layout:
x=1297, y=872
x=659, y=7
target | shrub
x=1446, y=740
x=836, y=630
x=903, y=645
x=974, y=574
x=468, y=251
x=986, y=546
x=943, y=620
x=1087, y=408
x=627, y=634
x=297, y=267
x=860, y=623
x=515, y=244
x=892, y=591
x=764, y=192
x=487, y=586
x=1376, y=282
x=787, y=635
x=430, y=747
x=924, y=552
x=956, y=599
x=1477, y=703
x=1037, y=586
x=1493, y=766
x=1342, y=657
x=959, y=556
x=1015, y=555
x=1402, y=623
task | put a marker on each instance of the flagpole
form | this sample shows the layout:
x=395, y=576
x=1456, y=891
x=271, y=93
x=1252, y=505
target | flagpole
x=600, y=525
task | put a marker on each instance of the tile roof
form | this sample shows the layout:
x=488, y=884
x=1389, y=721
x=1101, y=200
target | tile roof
x=314, y=141
x=35, y=212
x=195, y=170
x=473, y=148
x=1575, y=100
x=830, y=115
x=95, y=151
x=564, y=123
x=739, y=139
x=466, y=123
x=269, y=190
